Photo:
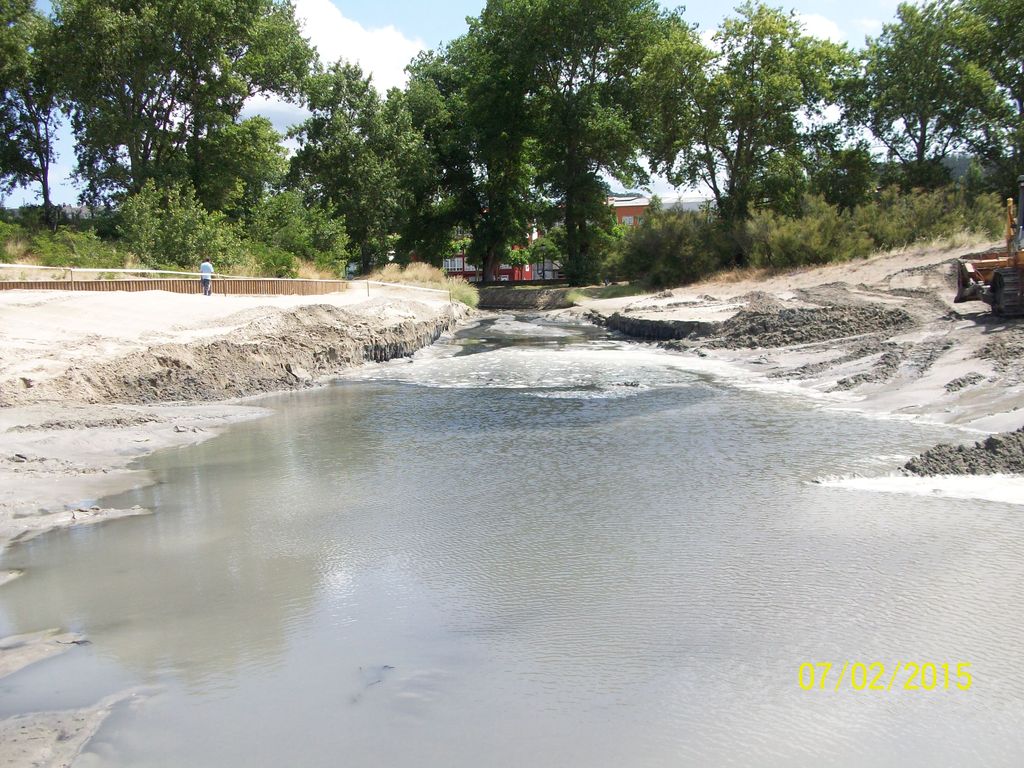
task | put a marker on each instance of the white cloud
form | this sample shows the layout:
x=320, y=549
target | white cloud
x=383, y=52
x=821, y=27
x=871, y=27
x=707, y=37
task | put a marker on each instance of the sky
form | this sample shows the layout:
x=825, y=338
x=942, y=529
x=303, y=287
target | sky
x=383, y=36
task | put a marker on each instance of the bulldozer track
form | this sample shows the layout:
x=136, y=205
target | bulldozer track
x=1006, y=293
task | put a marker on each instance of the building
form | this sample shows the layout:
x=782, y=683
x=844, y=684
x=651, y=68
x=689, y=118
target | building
x=631, y=208
x=456, y=266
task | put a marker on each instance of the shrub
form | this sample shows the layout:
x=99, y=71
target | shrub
x=10, y=232
x=819, y=235
x=14, y=242
x=67, y=248
x=271, y=261
x=895, y=219
x=284, y=222
x=170, y=228
x=674, y=248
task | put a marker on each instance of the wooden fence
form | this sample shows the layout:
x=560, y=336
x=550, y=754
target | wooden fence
x=253, y=286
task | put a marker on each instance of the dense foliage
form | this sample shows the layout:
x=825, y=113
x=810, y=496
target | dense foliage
x=809, y=150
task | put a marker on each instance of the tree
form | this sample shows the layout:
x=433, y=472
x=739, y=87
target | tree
x=922, y=97
x=350, y=155
x=844, y=177
x=14, y=15
x=469, y=104
x=991, y=40
x=585, y=59
x=237, y=165
x=29, y=114
x=308, y=232
x=741, y=116
x=151, y=81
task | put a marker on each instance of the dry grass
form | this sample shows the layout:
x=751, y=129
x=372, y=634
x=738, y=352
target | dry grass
x=958, y=240
x=426, y=276
x=309, y=271
x=19, y=251
x=741, y=274
x=962, y=239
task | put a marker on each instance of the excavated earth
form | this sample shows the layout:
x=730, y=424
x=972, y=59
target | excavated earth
x=882, y=335
x=997, y=454
x=274, y=350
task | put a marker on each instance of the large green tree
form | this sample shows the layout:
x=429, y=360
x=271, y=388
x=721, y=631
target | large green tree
x=29, y=110
x=922, y=97
x=991, y=39
x=743, y=116
x=469, y=104
x=152, y=83
x=584, y=57
x=236, y=166
x=350, y=155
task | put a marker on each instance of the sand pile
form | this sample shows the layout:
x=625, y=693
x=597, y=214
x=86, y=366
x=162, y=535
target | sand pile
x=998, y=454
x=88, y=380
x=246, y=353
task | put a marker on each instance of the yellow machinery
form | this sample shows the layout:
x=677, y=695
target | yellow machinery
x=997, y=280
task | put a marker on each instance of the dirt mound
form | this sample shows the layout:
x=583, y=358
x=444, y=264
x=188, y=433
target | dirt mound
x=273, y=350
x=63, y=424
x=998, y=454
x=765, y=326
x=1006, y=352
x=962, y=382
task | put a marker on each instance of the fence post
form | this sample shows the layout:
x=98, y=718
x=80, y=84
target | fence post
x=72, y=271
x=367, y=287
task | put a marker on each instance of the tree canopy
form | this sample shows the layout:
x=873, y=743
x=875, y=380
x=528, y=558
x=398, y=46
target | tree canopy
x=519, y=125
x=151, y=83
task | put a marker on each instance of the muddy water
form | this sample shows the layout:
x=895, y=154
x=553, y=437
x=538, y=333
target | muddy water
x=533, y=546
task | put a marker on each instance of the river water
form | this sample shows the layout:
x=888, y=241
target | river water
x=532, y=546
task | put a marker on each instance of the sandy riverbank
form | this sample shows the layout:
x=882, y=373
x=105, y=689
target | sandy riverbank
x=881, y=336
x=90, y=382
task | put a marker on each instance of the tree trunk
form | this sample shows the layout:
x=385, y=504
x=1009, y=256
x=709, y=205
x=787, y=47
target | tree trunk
x=572, y=240
x=365, y=259
x=491, y=265
x=48, y=217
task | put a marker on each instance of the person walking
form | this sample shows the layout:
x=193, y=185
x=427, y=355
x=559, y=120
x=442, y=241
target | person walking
x=206, y=277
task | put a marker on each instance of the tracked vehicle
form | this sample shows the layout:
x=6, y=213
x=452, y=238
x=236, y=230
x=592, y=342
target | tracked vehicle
x=997, y=279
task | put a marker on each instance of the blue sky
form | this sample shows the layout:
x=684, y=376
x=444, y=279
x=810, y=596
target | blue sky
x=384, y=35
x=434, y=23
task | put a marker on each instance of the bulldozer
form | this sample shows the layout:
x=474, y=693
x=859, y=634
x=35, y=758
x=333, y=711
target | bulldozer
x=997, y=278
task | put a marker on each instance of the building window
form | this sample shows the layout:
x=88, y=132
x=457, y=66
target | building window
x=627, y=220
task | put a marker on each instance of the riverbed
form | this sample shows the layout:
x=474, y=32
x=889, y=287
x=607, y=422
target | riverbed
x=534, y=544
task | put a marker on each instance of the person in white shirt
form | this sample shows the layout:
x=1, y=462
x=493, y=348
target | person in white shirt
x=206, y=277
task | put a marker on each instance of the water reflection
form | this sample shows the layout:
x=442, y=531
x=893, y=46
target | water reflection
x=428, y=566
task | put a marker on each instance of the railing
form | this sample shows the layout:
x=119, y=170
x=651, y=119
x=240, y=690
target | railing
x=185, y=282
